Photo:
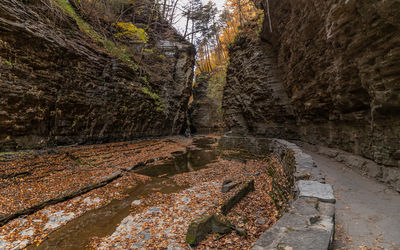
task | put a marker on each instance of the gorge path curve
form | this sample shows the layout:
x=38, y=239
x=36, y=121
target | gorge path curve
x=367, y=212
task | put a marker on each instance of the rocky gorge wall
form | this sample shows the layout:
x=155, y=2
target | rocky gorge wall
x=63, y=83
x=205, y=110
x=337, y=76
x=254, y=99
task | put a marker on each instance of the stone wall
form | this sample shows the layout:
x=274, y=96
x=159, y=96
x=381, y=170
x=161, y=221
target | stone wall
x=254, y=145
x=337, y=62
x=59, y=86
x=309, y=224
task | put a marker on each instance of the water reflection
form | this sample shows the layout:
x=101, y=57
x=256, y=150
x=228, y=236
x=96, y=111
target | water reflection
x=103, y=221
x=191, y=160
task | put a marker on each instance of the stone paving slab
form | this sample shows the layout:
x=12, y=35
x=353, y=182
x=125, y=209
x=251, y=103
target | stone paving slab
x=367, y=212
x=323, y=192
x=303, y=227
x=309, y=224
x=309, y=239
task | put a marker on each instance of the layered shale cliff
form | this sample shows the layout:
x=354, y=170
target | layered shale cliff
x=205, y=111
x=64, y=81
x=324, y=72
x=254, y=99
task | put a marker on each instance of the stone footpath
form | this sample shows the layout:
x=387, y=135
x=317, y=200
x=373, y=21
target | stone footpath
x=386, y=174
x=367, y=212
x=310, y=222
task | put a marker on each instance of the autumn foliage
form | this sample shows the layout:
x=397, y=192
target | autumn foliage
x=214, y=52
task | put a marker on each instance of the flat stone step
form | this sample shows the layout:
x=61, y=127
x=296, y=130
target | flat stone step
x=323, y=192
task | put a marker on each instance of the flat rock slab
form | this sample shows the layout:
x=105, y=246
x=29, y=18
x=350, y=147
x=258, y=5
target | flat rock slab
x=315, y=189
x=236, y=198
x=205, y=224
x=309, y=173
x=296, y=231
x=228, y=187
x=287, y=238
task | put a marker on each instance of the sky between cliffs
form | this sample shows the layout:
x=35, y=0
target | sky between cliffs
x=181, y=24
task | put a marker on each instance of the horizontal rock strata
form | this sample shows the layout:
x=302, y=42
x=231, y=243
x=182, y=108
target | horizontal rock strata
x=323, y=72
x=59, y=85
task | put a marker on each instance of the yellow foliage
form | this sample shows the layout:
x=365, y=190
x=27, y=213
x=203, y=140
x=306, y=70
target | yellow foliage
x=241, y=12
x=132, y=32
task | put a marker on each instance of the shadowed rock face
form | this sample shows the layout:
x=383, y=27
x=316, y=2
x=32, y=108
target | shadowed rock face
x=339, y=66
x=205, y=111
x=254, y=100
x=58, y=86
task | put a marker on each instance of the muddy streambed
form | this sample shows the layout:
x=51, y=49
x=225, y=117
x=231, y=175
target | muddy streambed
x=103, y=221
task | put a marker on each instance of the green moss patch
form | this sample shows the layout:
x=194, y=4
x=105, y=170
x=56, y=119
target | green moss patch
x=119, y=51
x=157, y=99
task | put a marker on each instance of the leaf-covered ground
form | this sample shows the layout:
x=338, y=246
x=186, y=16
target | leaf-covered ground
x=161, y=221
x=157, y=221
x=31, y=178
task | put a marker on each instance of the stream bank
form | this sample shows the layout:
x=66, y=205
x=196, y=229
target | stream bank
x=163, y=185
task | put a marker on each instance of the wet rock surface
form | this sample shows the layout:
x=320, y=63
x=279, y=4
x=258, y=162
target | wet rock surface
x=83, y=178
x=169, y=217
x=141, y=211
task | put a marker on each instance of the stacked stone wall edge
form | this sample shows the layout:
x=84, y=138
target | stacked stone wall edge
x=386, y=174
x=309, y=224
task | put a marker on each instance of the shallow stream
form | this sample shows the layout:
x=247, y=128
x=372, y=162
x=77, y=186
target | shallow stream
x=103, y=221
